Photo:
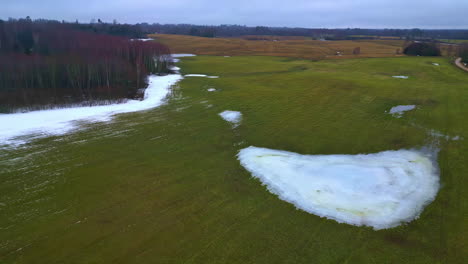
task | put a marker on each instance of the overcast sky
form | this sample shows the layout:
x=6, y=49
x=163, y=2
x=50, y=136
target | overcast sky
x=290, y=13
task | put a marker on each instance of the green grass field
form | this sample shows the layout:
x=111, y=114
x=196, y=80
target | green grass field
x=455, y=41
x=164, y=186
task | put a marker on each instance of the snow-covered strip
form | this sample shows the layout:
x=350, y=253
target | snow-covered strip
x=195, y=75
x=211, y=90
x=142, y=39
x=233, y=117
x=201, y=75
x=61, y=121
x=400, y=77
x=380, y=190
x=398, y=110
x=181, y=55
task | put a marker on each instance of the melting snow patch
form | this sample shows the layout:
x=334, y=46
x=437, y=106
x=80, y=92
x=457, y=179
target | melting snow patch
x=400, y=77
x=175, y=56
x=437, y=134
x=435, y=64
x=195, y=75
x=142, y=39
x=174, y=68
x=398, y=110
x=211, y=90
x=201, y=75
x=61, y=121
x=233, y=117
x=181, y=55
x=380, y=190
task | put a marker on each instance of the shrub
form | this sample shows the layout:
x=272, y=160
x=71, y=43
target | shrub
x=463, y=52
x=357, y=51
x=422, y=49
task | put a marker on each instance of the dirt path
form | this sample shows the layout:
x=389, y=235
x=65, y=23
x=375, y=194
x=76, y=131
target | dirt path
x=460, y=64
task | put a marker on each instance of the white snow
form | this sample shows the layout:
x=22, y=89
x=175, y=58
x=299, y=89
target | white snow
x=143, y=39
x=196, y=75
x=380, y=190
x=233, y=117
x=211, y=90
x=435, y=64
x=438, y=134
x=398, y=110
x=400, y=77
x=201, y=75
x=61, y=121
x=181, y=55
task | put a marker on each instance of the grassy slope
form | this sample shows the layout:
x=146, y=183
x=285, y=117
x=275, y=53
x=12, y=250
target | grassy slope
x=164, y=186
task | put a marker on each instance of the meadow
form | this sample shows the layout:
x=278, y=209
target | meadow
x=165, y=186
x=296, y=47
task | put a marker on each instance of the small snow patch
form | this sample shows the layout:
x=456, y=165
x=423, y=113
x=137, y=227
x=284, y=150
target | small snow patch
x=181, y=55
x=195, y=75
x=380, y=190
x=142, y=39
x=201, y=75
x=397, y=111
x=211, y=90
x=233, y=117
x=400, y=77
x=438, y=134
x=435, y=64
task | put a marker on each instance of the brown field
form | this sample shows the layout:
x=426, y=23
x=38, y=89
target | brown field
x=297, y=47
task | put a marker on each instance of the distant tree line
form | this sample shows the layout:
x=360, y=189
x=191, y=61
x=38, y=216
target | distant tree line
x=49, y=63
x=140, y=30
x=422, y=49
x=329, y=34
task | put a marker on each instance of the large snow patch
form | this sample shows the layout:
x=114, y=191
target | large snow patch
x=61, y=121
x=380, y=190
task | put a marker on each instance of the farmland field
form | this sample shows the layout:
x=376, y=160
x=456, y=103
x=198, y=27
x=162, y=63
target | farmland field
x=297, y=47
x=165, y=186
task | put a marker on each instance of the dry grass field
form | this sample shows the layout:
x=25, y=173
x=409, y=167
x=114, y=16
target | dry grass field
x=296, y=47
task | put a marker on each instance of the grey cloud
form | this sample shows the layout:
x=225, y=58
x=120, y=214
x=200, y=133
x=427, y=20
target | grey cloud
x=292, y=13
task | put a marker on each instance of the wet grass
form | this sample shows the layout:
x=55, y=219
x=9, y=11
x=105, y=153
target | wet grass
x=164, y=186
